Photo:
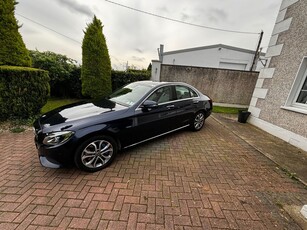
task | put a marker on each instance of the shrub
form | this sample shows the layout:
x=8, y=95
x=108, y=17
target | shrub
x=96, y=64
x=73, y=85
x=121, y=78
x=12, y=48
x=23, y=91
x=63, y=72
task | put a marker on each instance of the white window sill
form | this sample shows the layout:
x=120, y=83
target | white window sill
x=294, y=109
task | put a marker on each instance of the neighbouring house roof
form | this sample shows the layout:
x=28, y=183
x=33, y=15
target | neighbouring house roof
x=211, y=47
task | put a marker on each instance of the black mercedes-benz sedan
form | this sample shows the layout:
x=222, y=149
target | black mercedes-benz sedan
x=89, y=134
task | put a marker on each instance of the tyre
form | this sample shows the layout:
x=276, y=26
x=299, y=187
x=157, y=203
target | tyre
x=198, y=121
x=96, y=153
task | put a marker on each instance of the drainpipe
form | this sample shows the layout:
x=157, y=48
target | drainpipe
x=257, y=51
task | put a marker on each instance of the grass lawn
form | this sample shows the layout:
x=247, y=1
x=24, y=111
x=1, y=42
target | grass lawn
x=20, y=125
x=54, y=103
x=228, y=110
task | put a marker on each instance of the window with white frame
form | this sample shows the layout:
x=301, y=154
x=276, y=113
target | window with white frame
x=297, y=99
x=302, y=95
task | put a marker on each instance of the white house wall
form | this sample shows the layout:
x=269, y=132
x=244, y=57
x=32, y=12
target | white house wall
x=287, y=49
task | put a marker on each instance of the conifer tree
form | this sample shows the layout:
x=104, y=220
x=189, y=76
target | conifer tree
x=96, y=64
x=12, y=48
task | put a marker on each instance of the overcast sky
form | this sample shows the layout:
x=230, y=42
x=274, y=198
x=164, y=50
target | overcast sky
x=134, y=37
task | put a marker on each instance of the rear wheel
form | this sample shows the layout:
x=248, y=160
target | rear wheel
x=96, y=153
x=198, y=121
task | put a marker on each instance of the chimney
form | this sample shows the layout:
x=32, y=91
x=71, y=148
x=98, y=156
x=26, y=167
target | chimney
x=160, y=53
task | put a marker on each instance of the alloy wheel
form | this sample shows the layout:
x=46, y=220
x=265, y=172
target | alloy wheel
x=97, y=153
x=199, y=121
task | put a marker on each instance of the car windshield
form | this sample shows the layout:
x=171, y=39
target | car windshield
x=130, y=94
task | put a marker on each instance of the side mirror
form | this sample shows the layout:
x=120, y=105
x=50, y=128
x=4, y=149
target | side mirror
x=148, y=105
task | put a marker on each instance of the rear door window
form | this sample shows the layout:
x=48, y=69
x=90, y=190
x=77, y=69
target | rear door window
x=183, y=92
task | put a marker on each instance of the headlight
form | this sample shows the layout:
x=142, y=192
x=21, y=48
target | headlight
x=57, y=138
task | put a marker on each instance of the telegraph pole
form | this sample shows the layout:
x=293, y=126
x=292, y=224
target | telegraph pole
x=257, y=51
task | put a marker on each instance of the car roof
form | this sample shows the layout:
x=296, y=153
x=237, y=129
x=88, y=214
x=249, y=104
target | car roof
x=156, y=83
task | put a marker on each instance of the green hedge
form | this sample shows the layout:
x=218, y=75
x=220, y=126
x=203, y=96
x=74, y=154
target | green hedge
x=121, y=78
x=23, y=91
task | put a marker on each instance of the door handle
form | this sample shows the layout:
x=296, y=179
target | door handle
x=170, y=106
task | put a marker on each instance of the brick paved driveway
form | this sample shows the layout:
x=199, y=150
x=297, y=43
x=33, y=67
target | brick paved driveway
x=205, y=180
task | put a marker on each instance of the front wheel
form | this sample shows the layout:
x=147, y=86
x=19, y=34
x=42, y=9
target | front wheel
x=198, y=121
x=95, y=153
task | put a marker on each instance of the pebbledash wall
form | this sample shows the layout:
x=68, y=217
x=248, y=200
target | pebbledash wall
x=222, y=85
x=274, y=106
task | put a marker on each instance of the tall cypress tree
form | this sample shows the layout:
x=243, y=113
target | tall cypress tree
x=96, y=64
x=12, y=48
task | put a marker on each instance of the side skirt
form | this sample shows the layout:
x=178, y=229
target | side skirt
x=157, y=136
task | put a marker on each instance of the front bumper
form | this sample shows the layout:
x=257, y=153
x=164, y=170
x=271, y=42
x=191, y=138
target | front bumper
x=47, y=163
x=54, y=157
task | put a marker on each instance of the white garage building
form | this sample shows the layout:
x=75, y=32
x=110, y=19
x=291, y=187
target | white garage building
x=214, y=56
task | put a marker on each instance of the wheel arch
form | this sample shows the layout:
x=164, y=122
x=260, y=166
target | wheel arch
x=95, y=134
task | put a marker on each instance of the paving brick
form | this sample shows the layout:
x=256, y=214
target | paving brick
x=204, y=212
x=124, y=212
x=172, y=211
x=8, y=207
x=96, y=189
x=105, y=205
x=132, y=200
x=219, y=223
x=43, y=220
x=118, y=203
x=8, y=226
x=159, y=215
x=132, y=221
x=126, y=192
x=110, y=215
x=75, y=212
x=73, y=203
x=79, y=223
x=146, y=218
x=120, y=225
x=8, y=216
x=70, y=195
x=41, y=200
x=138, y=208
x=101, y=197
x=151, y=205
x=182, y=220
x=163, y=202
x=10, y=198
